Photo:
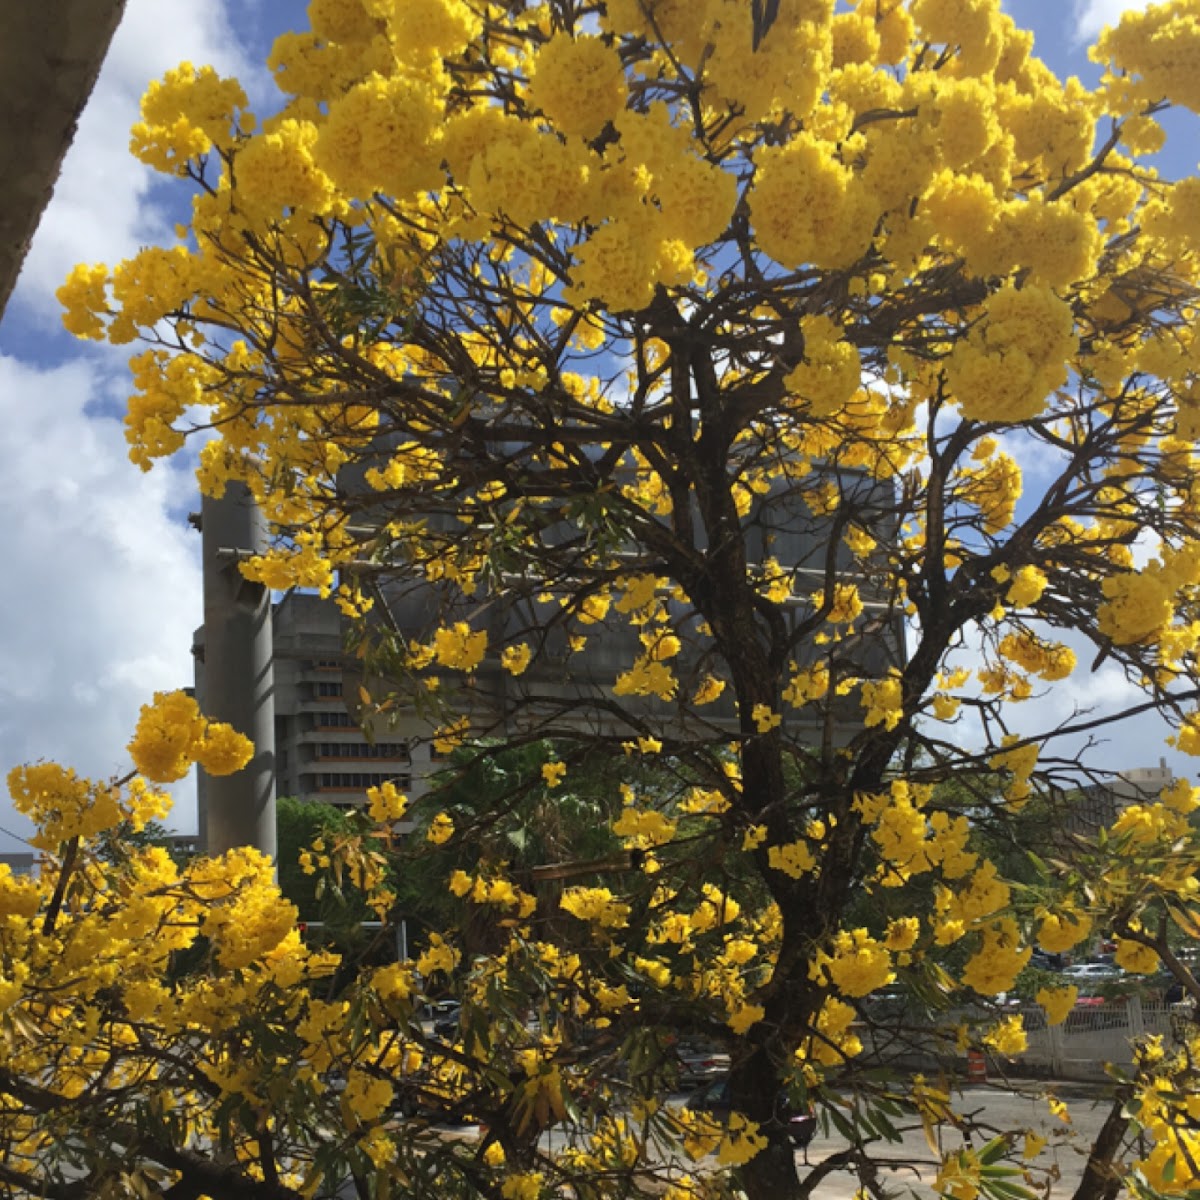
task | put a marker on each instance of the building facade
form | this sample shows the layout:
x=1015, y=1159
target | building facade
x=322, y=750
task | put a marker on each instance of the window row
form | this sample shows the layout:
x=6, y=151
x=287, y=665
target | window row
x=361, y=780
x=334, y=720
x=397, y=750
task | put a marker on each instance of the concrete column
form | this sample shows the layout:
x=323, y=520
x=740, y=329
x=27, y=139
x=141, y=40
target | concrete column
x=236, y=677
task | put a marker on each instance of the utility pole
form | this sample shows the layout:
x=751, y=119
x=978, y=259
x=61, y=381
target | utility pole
x=234, y=674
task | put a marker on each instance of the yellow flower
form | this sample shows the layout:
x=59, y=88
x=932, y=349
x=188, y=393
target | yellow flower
x=438, y=956
x=596, y=905
x=793, y=859
x=553, y=772
x=764, y=719
x=1057, y=1002
x=857, y=963
x=385, y=803
x=1007, y=1037
x=459, y=647
x=744, y=1015
x=168, y=732
x=1136, y=957
x=959, y=1175
x=883, y=701
x=449, y=737
x=708, y=690
x=524, y=1186
x=742, y=1141
x=902, y=933
x=754, y=837
x=1062, y=930
x=515, y=659
x=441, y=829
x=579, y=83
x=1026, y=588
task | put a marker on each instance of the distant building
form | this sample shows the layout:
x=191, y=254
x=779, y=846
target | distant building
x=322, y=752
x=21, y=862
x=1100, y=804
x=182, y=846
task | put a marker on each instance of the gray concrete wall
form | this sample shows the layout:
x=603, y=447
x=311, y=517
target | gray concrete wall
x=51, y=52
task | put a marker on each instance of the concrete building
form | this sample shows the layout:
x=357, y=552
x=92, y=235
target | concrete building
x=322, y=751
x=50, y=55
x=1098, y=805
x=21, y=862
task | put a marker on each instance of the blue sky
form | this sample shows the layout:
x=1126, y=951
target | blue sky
x=101, y=590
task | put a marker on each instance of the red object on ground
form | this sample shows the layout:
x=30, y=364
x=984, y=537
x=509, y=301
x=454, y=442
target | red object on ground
x=976, y=1066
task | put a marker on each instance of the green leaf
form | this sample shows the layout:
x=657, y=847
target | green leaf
x=846, y=1128
x=994, y=1150
x=1006, y=1191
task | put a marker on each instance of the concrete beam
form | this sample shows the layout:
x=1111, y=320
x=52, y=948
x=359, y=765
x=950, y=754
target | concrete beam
x=51, y=52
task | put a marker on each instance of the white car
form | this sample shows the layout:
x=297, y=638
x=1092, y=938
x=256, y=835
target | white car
x=1093, y=972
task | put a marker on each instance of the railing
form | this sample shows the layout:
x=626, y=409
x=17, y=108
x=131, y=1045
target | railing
x=1094, y=1035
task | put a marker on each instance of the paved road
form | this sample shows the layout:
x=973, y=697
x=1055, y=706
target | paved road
x=911, y=1164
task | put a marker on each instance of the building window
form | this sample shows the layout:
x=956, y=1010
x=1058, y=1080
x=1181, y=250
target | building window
x=358, y=781
x=334, y=720
x=396, y=751
x=329, y=687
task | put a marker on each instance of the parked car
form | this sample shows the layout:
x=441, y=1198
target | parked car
x=698, y=1062
x=1045, y=961
x=441, y=1018
x=714, y=1098
x=1092, y=972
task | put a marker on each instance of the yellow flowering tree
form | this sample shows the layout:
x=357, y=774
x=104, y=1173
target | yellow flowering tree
x=659, y=374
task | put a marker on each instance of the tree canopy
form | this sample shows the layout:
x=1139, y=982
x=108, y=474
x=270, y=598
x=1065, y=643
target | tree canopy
x=653, y=380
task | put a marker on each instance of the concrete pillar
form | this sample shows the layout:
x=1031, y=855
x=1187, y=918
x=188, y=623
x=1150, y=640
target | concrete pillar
x=235, y=679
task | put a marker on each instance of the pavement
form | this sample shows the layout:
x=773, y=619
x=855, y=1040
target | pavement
x=911, y=1164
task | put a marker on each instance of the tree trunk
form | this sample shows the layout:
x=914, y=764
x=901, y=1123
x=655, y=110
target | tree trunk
x=1099, y=1182
x=771, y=1174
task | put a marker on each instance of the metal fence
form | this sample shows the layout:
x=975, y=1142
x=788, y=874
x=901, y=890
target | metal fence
x=1092, y=1036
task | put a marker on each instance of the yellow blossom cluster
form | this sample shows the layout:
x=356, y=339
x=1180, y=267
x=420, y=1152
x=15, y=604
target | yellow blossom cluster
x=1049, y=660
x=856, y=963
x=883, y=701
x=499, y=891
x=578, y=83
x=1015, y=356
x=833, y=1039
x=171, y=735
x=1007, y=1037
x=597, y=905
x=999, y=959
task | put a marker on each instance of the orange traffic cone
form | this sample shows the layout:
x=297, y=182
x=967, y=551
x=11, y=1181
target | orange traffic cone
x=976, y=1066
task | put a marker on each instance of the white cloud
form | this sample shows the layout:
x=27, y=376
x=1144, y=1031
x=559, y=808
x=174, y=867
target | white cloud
x=1092, y=15
x=101, y=587
x=1095, y=691
x=102, y=210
